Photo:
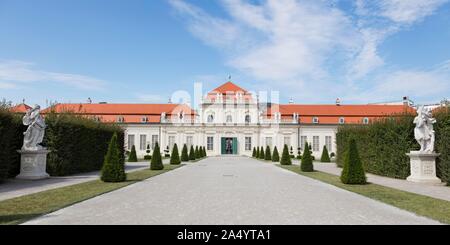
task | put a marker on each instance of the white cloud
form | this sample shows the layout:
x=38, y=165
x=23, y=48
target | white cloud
x=19, y=72
x=408, y=11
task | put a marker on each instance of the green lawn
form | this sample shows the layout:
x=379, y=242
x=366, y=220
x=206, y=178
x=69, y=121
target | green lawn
x=21, y=209
x=433, y=208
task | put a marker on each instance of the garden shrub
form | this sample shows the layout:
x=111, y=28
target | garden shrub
x=148, y=156
x=257, y=153
x=353, y=171
x=254, y=152
x=306, y=164
x=174, y=157
x=156, y=162
x=442, y=128
x=285, y=158
x=113, y=169
x=132, y=157
x=262, y=153
x=184, y=154
x=11, y=139
x=197, y=153
x=192, y=153
x=275, y=155
x=267, y=155
x=325, y=156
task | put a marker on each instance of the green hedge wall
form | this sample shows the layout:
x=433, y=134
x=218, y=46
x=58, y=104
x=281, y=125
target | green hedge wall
x=384, y=143
x=77, y=144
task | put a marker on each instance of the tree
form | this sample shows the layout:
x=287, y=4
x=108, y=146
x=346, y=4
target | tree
x=204, y=152
x=197, y=153
x=275, y=155
x=254, y=152
x=156, y=162
x=307, y=161
x=192, y=153
x=353, y=171
x=184, y=154
x=257, y=153
x=174, y=157
x=291, y=152
x=133, y=156
x=325, y=156
x=261, y=153
x=285, y=157
x=113, y=169
x=268, y=155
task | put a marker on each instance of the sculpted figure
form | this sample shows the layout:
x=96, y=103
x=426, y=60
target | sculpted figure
x=424, y=132
x=34, y=134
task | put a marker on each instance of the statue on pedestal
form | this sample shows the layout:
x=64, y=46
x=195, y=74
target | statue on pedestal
x=424, y=132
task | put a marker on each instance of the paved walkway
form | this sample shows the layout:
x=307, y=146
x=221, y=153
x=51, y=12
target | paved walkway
x=230, y=190
x=436, y=191
x=14, y=188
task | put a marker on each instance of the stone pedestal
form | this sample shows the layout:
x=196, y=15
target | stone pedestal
x=33, y=164
x=423, y=167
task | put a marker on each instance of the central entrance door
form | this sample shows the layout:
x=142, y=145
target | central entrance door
x=229, y=146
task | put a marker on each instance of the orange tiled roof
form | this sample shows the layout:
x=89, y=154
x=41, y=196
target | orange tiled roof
x=20, y=108
x=228, y=87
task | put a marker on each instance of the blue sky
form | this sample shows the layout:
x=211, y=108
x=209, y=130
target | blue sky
x=142, y=51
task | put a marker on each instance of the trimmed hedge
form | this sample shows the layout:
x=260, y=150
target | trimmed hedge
x=174, y=157
x=275, y=155
x=77, y=144
x=113, y=170
x=156, y=162
x=353, y=171
x=325, y=156
x=254, y=152
x=383, y=144
x=184, y=154
x=306, y=164
x=261, y=153
x=257, y=152
x=192, y=153
x=268, y=155
x=132, y=157
x=285, y=157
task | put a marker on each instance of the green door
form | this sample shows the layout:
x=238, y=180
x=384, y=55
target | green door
x=223, y=140
x=235, y=146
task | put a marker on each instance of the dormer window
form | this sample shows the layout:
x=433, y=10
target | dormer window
x=315, y=120
x=210, y=118
x=248, y=119
x=144, y=119
x=120, y=119
x=366, y=120
x=341, y=120
x=229, y=119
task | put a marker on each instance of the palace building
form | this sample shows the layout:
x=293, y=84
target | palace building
x=231, y=121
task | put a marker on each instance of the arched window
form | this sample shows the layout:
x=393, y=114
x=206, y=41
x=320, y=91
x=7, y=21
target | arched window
x=341, y=120
x=366, y=120
x=248, y=119
x=120, y=119
x=210, y=118
x=229, y=119
x=315, y=120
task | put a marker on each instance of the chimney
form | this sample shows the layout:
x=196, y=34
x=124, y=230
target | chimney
x=406, y=100
x=291, y=101
x=338, y=102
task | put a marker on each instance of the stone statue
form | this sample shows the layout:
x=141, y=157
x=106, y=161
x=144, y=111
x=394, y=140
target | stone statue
x=424, y=132
x=34, y=134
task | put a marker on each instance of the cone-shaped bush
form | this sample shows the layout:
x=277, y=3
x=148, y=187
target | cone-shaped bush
x=325, y=156
x=197, y=153
x=132, y=157
x=204, y=152
x=257, y=152
x=268, y=155
x=192, y=153
x=156, y=162
x=113, y=169
x=299, y=154
x=275, y=155
x=174, y=157
x=254, y=152
x=262, y=154
x=184, y=154
x=285, y=157
x=353, y=171
x=307, y=161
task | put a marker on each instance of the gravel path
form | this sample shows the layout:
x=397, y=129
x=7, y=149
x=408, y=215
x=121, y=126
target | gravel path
x=230, y=190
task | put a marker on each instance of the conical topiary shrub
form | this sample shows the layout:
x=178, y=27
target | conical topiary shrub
x=307, y=162
x=262, y=153
x=197, y=153
x=204, y=152
x=192, y=153
x=275, y=155
x=267, y=154
x=148, y=156
x=299, y=154
x=325, y=156
x=257, y=152
x=156, y=162
x=353, y=171
x=113, y=169
x=285, y=158
x=132, y=157
x=254, y=152
x=174, y=157
x=184, y=154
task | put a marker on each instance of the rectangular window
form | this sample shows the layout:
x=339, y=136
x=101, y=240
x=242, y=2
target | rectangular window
x=315, y=146
x=269, y=141
x=171, y=142
x=248, y=143
x=328, y=143
x=303, y=140
x=154, y=141
x=142, y=142
x=210, y=143
x=130, y=141
x=287, y=141
x=189, y=141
